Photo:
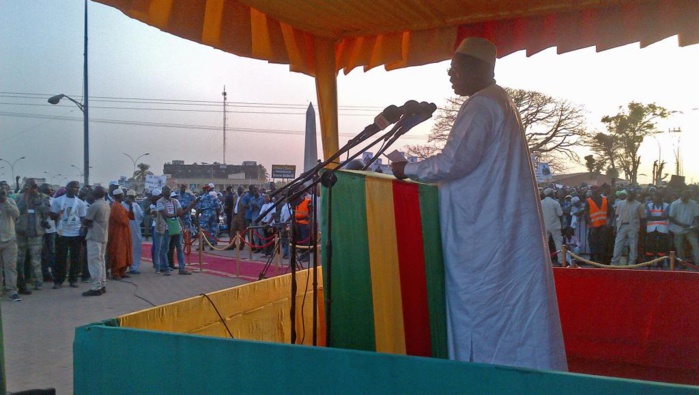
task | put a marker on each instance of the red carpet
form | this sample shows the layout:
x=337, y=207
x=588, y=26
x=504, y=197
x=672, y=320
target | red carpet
x=215, y=263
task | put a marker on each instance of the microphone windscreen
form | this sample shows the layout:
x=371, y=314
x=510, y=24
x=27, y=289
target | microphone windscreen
x=388, y=116
x=411, y=107
x=428, y=108
x=392, y=113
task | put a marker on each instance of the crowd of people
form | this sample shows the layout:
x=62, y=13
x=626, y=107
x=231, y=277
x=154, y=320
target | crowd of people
x=90, y=233
x=622, y=225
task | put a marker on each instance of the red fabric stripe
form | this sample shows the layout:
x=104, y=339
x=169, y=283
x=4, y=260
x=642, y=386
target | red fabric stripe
x=411, y=258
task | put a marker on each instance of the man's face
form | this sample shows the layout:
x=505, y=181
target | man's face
x=240, y=190
x=685, y=196
x=183, y=188
x=72, y=189
x=465, y=75
x=166, y=192
x=3, y=195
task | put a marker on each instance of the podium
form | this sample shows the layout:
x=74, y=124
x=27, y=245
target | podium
x=387, y=273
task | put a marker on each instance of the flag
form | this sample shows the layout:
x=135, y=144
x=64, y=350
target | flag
x=387, y=284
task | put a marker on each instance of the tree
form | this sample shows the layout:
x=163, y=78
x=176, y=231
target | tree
x=590, y=163
x=262, y=173
x=553, y=127
x=141, y=172
x=629, y=128
x=608, y=149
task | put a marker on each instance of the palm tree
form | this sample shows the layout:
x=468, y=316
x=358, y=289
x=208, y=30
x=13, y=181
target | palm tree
x=142, y=172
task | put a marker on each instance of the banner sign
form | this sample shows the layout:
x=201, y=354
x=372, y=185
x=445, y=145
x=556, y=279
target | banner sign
x=543, y=173
x=153, y=182
x=283, y=171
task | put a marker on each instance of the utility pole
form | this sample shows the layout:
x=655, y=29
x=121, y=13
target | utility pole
x=225, y=97
x=678, y=157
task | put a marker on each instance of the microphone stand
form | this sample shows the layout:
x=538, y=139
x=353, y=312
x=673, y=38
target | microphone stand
x=293, y=238
x=405, y=125
x=328, y=180
x=360, y=138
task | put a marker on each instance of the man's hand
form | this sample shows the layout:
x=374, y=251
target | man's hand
x=398, y=169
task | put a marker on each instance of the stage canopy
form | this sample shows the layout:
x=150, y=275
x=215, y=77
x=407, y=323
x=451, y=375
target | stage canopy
x=321, y=37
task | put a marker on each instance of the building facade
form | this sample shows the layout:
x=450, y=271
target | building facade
x=222, y=175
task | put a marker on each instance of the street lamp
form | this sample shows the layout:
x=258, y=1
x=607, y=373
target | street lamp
x=83, y=107
x=133, y=175
x=12, y=165
x=86, y=130
x=80, y=171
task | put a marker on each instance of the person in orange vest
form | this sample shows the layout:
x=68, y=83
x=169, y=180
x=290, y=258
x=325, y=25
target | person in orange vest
x=657, y=227
x=599, y=214
x=303, y=226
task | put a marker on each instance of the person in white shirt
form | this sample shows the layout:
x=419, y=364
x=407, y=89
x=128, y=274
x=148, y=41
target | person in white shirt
x=684, y=218
x=553, y=214
x=268, y=221
x=67, y=211
x=136, y=216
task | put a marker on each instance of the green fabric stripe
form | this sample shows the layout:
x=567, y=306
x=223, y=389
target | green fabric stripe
x=352, y=311
x=434, y=269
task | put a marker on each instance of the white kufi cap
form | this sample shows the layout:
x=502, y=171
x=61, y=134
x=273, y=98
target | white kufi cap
x=479, y=48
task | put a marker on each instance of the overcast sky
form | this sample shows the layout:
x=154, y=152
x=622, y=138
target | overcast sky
x=153, y=92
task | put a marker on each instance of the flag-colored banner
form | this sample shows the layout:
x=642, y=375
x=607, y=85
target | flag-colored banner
x=385, y=278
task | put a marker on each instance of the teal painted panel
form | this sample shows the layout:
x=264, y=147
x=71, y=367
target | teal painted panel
x=113, y=360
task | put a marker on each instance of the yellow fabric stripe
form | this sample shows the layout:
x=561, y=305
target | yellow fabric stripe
x=211, y=28
x=385, y=276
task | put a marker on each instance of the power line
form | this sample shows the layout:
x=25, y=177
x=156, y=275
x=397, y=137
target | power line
x=170, y=125
x=133, y=100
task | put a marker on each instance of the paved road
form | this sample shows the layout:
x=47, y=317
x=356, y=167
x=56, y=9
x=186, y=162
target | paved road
x=39, y=331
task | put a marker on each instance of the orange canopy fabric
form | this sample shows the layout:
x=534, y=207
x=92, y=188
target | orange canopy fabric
x=322, y=37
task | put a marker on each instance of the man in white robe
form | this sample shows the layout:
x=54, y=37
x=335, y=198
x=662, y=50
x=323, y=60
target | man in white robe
x=136, y=211
x=501, y=300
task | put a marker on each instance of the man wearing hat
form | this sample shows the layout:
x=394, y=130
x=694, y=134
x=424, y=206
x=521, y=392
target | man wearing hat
x=185, y=198
x=501, y=300
x=208, y=208
x=113, y=185
x=119, y=250
x=97, y=222
x=553, y=213
x=135, y=213
x=629, y=213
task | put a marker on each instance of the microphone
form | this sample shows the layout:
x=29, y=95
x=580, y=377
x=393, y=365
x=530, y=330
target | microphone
x=420, y=113
x=389, y=115
x=410, y=107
